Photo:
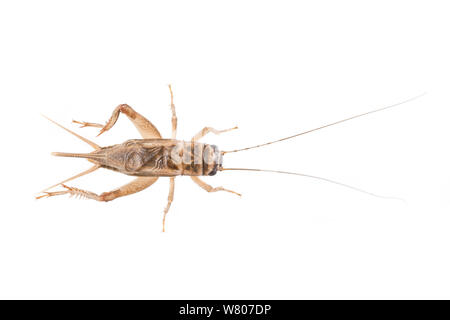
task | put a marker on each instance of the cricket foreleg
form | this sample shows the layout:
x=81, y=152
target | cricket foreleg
x=169, y=200
x=209, y=188
x=143, y=125
x=174, y=115
x=134, y=186
x=207, y=130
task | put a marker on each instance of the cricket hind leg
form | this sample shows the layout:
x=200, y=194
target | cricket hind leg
x=84, y=124
x=207, y=130
x=169, y=201
x=134, y=186
x=143, y=125
x=209, y=188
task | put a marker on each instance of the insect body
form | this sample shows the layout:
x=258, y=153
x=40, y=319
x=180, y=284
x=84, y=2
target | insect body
x=156, y=158
x=147, y=158
x=152, y=157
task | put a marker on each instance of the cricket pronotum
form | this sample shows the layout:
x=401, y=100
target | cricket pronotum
x=152, y=157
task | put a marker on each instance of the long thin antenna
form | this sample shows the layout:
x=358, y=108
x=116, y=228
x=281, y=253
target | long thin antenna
x=314, y=177
x=328, y=125
x=89, y=142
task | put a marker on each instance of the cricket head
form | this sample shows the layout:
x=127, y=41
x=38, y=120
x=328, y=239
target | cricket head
x=212, y=160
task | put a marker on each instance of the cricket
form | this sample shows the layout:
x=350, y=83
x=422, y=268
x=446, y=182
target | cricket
x=152, y=157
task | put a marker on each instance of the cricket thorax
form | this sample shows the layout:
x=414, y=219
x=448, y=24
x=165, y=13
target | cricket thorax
x=161, y=157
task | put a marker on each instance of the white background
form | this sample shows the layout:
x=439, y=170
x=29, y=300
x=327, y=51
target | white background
x=275, y=68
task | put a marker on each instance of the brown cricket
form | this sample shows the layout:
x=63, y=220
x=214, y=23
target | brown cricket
x=152, y=157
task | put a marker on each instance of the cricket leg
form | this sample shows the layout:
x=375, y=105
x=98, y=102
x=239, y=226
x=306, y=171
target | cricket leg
x=134, y=186
x=84, y=124
x=207, y=130
x=174, y=115
x=169, y=201
x=143, y=125
x=209, y=188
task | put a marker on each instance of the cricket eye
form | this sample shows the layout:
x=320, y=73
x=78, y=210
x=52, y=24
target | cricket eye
x=134, y=161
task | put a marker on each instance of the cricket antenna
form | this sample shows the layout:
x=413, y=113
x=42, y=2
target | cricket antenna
x=316, y=178
x=327, y=125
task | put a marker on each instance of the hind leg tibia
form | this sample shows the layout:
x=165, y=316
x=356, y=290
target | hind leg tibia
x=134, y=186
x=143, y=125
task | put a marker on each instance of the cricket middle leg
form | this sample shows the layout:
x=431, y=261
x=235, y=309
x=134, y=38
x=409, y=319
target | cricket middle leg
x=174, y=115
x=169, y=201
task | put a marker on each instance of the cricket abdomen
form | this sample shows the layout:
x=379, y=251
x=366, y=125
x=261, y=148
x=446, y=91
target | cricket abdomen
x=163, y=158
